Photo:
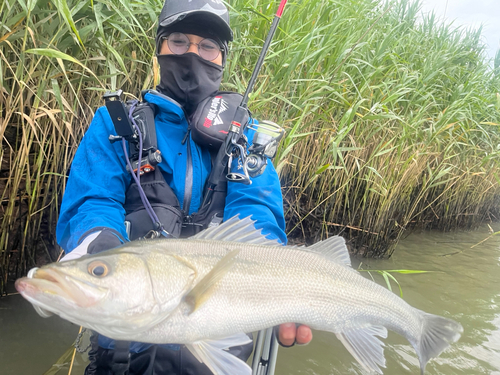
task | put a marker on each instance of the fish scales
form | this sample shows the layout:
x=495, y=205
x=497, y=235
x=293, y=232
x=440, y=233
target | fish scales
x=205, y=291
x=279, y=285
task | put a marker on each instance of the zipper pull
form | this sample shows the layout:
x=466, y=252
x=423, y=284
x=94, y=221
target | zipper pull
x=186, y=136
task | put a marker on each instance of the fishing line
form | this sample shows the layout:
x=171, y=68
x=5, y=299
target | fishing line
x=74, y=354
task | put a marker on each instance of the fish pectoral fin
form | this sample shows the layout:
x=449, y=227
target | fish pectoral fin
x=365, y=347
x=205, y=287
x=218, y=360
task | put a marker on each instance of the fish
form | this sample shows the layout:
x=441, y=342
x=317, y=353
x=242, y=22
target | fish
x=205, y=291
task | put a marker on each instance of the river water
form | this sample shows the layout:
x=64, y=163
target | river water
x=464, y=285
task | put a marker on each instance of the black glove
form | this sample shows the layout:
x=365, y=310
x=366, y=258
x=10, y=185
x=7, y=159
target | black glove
x=107, y=239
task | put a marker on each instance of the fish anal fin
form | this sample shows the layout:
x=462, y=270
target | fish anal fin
x=220, y=361
x=332, y=248
x=367, y=349
x=202, y=291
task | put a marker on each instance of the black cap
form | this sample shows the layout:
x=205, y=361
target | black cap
x=210, y=15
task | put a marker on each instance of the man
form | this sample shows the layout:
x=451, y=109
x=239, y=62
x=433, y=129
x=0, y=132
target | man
x=192, y=43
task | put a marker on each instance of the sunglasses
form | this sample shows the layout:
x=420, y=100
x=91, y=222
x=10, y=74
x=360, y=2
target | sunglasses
x=179, y=44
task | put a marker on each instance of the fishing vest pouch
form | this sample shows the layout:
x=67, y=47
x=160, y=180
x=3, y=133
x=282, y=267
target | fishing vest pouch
x=139, y=223
x=209, y=215
x=210, y=123
x=163, y=201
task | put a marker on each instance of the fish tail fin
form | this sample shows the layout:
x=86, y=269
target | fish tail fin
x=437, y=334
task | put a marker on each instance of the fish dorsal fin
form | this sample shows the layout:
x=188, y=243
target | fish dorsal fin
x=365, y=347
x=205, y=287
x=236, y=230
x=333, y=248
x=220, y=361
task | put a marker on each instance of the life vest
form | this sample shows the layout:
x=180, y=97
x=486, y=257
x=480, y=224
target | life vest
x=175, y=221
x=165, y=204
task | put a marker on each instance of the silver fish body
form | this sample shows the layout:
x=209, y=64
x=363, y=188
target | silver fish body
x=203, y=290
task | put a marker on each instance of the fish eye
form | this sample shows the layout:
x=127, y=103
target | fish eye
x=98, y=268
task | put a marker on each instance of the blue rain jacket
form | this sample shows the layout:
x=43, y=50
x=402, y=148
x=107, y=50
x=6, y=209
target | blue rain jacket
x=95, y=191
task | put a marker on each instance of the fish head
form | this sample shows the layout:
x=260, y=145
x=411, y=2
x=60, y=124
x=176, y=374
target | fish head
x=117, y=292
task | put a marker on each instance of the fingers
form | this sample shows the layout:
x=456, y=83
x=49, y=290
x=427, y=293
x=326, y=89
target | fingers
x=289, y=334
x=304, y=335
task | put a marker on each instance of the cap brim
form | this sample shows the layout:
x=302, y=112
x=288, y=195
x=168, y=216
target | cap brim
x=214, y=23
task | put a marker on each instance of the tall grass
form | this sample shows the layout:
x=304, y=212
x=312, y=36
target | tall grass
x=56, y=60
x=392, y=122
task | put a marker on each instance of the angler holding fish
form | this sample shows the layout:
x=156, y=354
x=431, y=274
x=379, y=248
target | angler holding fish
x=170, y=143
x=176, y=173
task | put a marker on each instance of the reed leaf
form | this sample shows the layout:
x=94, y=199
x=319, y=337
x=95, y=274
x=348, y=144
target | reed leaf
x=391, y=116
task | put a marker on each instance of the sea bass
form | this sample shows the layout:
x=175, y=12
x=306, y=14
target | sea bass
x=204, y=291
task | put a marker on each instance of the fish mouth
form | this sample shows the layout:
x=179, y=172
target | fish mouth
x=49, y=283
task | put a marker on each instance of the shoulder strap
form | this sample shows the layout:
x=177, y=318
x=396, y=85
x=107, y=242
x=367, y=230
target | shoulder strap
x=144, y=117
x=121, y=358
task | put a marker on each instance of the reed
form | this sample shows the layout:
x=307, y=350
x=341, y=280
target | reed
x=56, y=60
x=391, y=122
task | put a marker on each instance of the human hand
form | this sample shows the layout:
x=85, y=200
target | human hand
x=290, y=333
x=107, y=239
x=95, y=242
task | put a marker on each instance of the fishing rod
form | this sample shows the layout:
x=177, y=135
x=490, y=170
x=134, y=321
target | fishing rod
x=264, y=145
x=267, y=345
x=265, y=353
x=267, y=135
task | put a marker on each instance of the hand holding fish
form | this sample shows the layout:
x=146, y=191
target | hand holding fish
x=290, y=334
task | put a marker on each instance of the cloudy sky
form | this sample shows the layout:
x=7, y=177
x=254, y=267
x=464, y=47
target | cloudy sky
x=471, y=13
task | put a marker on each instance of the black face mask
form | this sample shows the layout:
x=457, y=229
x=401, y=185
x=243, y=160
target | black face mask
x=188, y=79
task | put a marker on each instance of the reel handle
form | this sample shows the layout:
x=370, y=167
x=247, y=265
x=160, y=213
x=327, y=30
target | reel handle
x=238, y=177
x=243, y=178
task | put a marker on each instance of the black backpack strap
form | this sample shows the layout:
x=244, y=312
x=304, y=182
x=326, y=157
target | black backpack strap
x=121, y=358
x=142, y=115
x=209, y=214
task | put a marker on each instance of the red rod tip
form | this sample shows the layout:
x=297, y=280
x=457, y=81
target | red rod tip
x=281, y=8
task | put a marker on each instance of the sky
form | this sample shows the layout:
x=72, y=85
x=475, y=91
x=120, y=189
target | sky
x=471, y=13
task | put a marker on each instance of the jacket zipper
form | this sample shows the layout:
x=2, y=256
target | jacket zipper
x=188, y=185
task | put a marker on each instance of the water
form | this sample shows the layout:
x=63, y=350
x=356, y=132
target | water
x=30, y=344
x=464, y=285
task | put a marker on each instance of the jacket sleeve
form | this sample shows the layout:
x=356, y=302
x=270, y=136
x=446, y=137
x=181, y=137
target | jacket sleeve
x=262, y=200
x=95, y=192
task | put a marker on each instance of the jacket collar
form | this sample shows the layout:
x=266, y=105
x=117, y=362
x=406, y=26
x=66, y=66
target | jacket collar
x=167, y=106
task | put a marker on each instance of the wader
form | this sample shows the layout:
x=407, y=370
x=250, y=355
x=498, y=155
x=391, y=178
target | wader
x=156, y=360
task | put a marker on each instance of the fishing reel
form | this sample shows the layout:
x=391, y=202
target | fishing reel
x=264, y=146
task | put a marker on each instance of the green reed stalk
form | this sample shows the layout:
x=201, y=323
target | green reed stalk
x=392, y=120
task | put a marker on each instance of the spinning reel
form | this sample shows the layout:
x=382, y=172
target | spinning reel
x=264, y=146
